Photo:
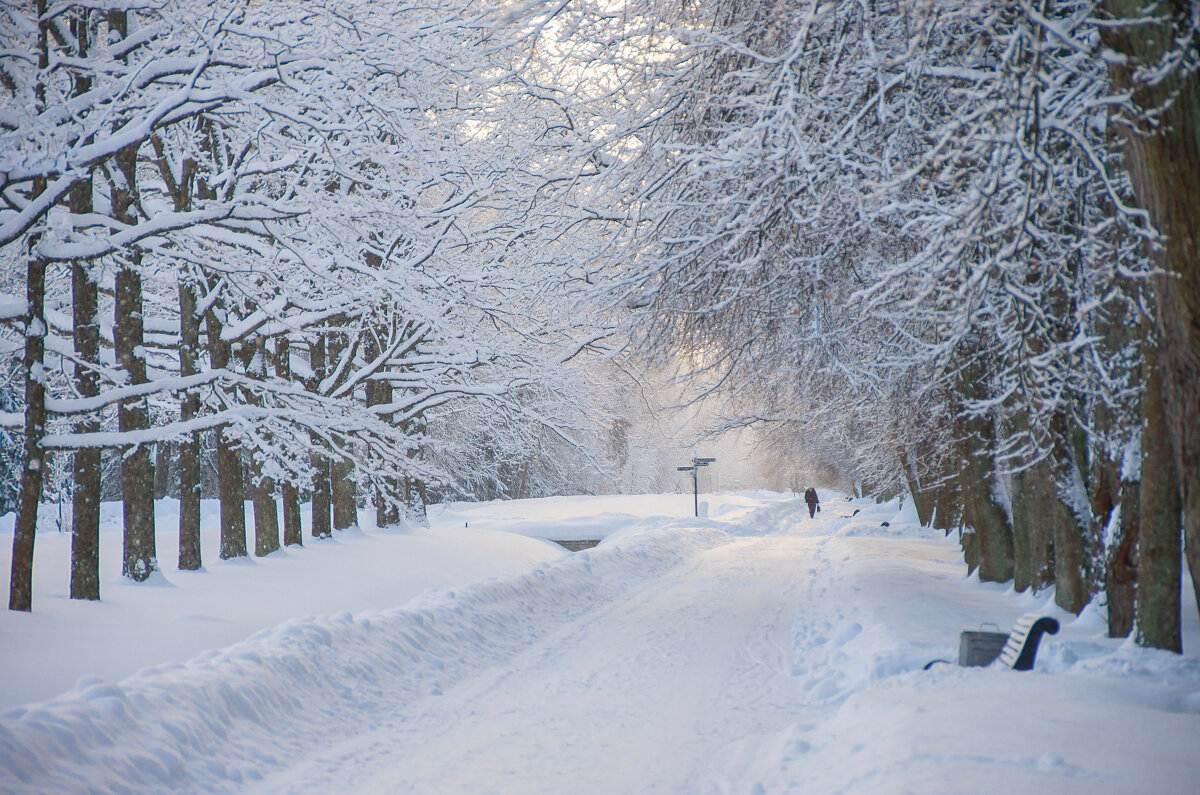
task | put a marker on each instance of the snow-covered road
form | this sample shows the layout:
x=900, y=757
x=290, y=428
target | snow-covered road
x=667, y=689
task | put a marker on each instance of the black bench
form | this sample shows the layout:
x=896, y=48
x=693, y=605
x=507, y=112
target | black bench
x=1016, y=650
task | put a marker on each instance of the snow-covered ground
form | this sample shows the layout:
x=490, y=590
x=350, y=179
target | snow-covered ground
x=754, y=651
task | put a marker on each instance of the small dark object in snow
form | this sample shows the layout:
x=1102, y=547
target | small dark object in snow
x=856, y=510
x=885, y=524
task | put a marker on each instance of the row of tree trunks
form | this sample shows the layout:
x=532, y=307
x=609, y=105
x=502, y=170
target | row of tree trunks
x=1163, y=159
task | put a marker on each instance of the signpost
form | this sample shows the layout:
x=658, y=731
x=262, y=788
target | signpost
x=694, y=468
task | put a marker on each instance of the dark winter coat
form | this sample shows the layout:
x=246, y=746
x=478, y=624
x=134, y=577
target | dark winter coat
x=810, y=496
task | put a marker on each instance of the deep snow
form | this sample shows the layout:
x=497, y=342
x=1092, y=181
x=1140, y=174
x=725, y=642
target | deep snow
x=754, y=651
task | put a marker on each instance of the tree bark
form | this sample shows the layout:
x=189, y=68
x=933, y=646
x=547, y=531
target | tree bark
x=291, y=498
x=1121, y=568
x=321, y=488
x=189, y=351
x=345, y=511
x=262, y=487
x=344, y=491
x=1023, y=532
x=993, y=535
x=229, y=461
x=1159, y=570
x=1048, y=519
x=922, y=499
x=1071, y=561
x=137, y=470
x=20, y=584
x=947, y=512
x=189, y=450
x=379, y=392
x=266, y=512
x=415, y=502
x=1164, y=165
x=413, y=487
x=85, y=468
x=20, y=594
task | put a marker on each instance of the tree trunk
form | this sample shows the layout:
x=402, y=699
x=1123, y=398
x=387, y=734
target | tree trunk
x=1159, y=570
x=266, y=512
x=188, y=460
x=379, y=392
x=291, y=498
x=262, y=487
x=1040, y=502
x=947, y=512
x=345, y=512
x=229, y=462
x=413, y=487
x=922, y=499
x=20, y=584
x=162, y=470
x=992, y=533
x=85, y=467
x=415, y=502
x=341, y=469
x=321, y=496
x=1121, y=568
x=20, y=594
x=189, y=450
x=137, y=470
x=321, y=488
x=1071, y=560
x=1023, y=532
x=1164, y=165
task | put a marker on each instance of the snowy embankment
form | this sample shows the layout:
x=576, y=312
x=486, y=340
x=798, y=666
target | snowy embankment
x=225, y=718
x=756, y=651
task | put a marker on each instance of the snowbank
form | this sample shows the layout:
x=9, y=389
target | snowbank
x=211, y=723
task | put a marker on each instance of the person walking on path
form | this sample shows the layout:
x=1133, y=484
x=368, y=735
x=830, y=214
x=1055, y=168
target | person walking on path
x=814, y=505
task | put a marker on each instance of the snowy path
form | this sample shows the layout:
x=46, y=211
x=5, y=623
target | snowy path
x=660, y=680
x=759, y=651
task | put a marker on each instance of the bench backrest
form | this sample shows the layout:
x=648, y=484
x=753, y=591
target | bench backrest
x=1019, y=652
